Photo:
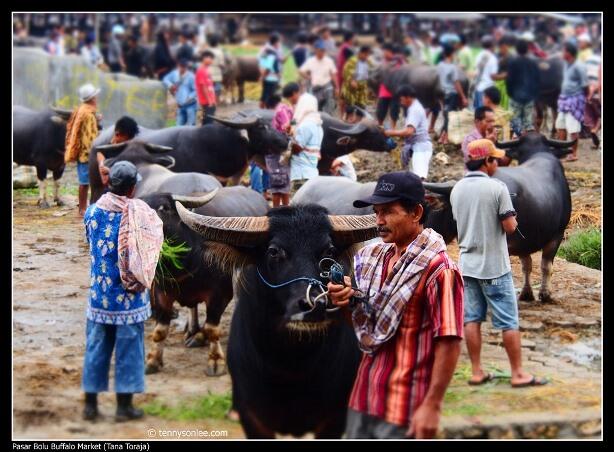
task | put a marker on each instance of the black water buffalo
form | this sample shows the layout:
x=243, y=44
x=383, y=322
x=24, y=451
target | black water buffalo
x=217, y=149
x=200, y=279
x=152, y=162
x=340, y=138
x=38, y=140
x=337, y=194
x=292, y=366
x=541, y=198
x=423, y=78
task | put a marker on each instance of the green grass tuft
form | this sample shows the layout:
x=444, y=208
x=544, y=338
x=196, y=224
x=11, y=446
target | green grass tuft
x=583, y=247
x=211, y=406
x=72, y=190
x=170, y=258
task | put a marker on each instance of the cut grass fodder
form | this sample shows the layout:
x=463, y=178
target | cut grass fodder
x=211, y=406
x=583, y=247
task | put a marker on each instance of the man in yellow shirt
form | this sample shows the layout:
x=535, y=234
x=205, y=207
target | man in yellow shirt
x=81, y=131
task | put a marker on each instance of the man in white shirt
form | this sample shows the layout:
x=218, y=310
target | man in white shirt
x=321, y=70
x=487, y=66
x=418, y=146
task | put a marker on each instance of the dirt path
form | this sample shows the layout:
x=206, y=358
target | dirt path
x=50, y=282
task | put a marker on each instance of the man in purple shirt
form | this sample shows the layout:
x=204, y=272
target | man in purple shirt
x=484, y=128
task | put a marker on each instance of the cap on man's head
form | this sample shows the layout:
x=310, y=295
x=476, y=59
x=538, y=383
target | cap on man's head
x=123, y=174
x=400, y=185
x=480, y=149
x=584, y=37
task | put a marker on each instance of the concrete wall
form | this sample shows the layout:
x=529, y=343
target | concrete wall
x=40, y=80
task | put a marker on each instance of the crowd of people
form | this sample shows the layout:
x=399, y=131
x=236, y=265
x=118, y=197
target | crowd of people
x=410, y=264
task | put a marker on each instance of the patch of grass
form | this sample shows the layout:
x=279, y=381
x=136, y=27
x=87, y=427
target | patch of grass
x=171, y=122
x=170, y=257
x=211, y=406
x=72, y=190
x=583, y=247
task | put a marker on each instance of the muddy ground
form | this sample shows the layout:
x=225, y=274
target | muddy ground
x=562, y=341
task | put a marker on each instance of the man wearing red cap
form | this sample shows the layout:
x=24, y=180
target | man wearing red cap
x=484, y=214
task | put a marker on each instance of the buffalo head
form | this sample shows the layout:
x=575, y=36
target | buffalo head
x=164, y=205
x=137, y=152
x=286, y=244
x=440, y=216
x=366, y=134
x=263, y=138
x=525, y=147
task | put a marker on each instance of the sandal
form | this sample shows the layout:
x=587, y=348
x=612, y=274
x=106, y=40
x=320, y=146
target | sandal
x=571, y=158
x=485, y=379
x=533, y=382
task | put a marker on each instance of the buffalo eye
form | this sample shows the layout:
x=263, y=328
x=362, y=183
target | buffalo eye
x=275, y=252
x=330, y=253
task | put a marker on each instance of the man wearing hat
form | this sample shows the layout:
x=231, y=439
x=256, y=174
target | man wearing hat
x=484, y=214
x=181, y=83
x=125, y=238
x=81, y=130
x=115, y=56
x=410, y=324
x=321, y=71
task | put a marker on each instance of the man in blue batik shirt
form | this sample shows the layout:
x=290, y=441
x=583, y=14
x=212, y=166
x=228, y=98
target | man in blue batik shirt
x=115, y=316
x=181, y=84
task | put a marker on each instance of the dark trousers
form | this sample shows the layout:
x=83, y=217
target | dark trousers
x=387, y=103
x=208, y=111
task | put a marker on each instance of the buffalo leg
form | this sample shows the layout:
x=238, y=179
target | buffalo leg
x=253, y=427
x=194, y=337
x=527, y=267
x=41, y=175
x=548, y=253
x=57, y=174
x=539, y=116
x=216, y=362
x=241, y=86
x=163, y=309
x=155, y=358
x=555, y=113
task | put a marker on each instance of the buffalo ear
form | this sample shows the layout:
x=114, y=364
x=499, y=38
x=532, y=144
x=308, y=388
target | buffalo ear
x=560, y=153
x=436, y=202
x=227, y=258
x=111, y=150
x=58, y=120
x=164, y=160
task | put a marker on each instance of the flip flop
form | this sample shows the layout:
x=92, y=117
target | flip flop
x=533, y=382
x=485, y=379
x=571, y=159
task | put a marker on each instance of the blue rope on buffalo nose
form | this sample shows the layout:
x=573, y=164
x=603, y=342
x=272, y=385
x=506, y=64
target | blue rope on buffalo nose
x=335, y=274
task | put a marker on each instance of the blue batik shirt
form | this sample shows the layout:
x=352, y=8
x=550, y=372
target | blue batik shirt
x=109, y=302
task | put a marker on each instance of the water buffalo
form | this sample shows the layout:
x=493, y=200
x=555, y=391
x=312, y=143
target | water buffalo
x=38, y=140
x=423, y=78
x=337, y=194
x=541, y=198
x=217, y=149
x=152, y=162
x=340, y=138
x=292, y=366
x=200, y=278
x=237, y=71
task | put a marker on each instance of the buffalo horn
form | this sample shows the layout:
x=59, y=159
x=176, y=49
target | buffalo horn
x=357, y=129
x=364, y=112
x=350, y=229
x=156, y=148
x=61, y=112
x=444, y=188
x=507, y=144
x=109, y=150
x=234, y=231
x=250, y=121
x=559, y=144
x=192, y=202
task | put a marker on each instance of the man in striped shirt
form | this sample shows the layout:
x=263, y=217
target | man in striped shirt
x=411, y=327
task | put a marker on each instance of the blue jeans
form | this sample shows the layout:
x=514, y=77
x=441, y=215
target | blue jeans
x=478, y=99
x=258, y=178
x=498, y=294
x=83, y=173
x=128, y=341
x=186, y=116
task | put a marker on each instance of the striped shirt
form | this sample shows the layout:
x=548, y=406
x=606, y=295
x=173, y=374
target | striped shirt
x=392, y=383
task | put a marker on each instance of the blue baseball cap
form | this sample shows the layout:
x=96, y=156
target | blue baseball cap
x=394, y=187
x=319, y=44
x=123, y=174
